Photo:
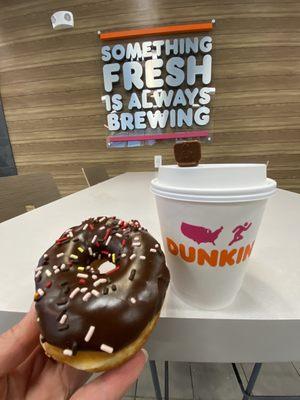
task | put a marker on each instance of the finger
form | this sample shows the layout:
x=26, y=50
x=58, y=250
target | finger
x=114, y=384
x=18, y=342
x=38, y=366
x=33, y=365
x=45, y=378
x=73, y=378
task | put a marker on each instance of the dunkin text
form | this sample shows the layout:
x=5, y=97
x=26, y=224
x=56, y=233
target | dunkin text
x=212, y=258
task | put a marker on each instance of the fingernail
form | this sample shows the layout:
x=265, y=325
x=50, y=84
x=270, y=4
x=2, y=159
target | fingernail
x=145, y=354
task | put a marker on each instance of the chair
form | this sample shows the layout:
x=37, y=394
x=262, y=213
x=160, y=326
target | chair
x=21, y=193
x=95, y=174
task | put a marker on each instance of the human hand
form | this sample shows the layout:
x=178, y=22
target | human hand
x=26, y=373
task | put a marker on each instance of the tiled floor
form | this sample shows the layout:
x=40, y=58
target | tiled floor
x=199, y=381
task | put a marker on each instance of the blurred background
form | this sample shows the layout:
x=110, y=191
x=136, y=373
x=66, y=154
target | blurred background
x=51, y=86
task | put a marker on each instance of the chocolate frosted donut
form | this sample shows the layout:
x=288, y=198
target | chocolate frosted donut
x=92, y=319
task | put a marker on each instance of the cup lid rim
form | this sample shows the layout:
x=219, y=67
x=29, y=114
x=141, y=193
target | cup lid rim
x=213, y=165
x=215, y=194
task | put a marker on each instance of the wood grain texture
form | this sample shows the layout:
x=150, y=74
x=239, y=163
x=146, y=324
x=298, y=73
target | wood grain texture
x=51, y=84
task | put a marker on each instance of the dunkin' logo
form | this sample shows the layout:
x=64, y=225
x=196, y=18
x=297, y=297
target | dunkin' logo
x=214, y=258
x=200, y=234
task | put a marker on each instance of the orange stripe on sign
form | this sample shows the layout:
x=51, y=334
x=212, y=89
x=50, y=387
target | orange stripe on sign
x=163, y=30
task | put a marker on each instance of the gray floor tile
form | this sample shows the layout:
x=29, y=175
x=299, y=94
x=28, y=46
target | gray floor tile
x=217, y=381
x=275, y=378
x=213, y=381
x=145, y=386
x=180, y=381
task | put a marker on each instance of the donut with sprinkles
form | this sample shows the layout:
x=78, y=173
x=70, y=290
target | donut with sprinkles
x=99, y=291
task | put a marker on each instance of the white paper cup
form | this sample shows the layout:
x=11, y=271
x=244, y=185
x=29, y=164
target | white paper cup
x=209, y=217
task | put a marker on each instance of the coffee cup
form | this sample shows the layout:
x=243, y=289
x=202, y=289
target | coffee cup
x=209, y=217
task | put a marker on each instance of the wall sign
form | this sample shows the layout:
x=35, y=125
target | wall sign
x=153, y=88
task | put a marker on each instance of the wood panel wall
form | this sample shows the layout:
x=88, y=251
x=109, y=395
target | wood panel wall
x=51, y=84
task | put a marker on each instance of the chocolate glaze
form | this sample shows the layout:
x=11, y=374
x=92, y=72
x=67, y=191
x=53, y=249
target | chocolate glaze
x=121, y=307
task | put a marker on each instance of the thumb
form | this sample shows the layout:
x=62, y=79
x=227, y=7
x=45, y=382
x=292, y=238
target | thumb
x=114, y=384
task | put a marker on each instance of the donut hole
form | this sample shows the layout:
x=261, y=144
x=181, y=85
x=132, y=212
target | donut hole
x=106, y=267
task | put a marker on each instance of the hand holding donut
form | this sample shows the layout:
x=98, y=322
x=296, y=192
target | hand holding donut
x=27, y=373
x=93, y=319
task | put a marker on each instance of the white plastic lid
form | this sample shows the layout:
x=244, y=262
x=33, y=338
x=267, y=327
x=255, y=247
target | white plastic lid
x=214, y=182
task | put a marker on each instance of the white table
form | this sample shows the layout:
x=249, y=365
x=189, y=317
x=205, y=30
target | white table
x=263, y=324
